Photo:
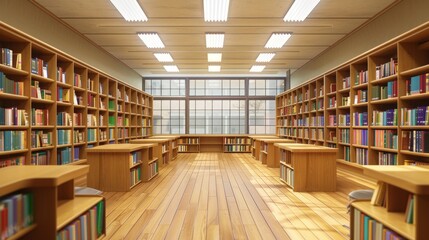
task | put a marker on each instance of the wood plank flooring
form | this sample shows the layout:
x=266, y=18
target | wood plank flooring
x=227, y=196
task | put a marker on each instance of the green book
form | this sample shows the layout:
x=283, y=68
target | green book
x=100, y=217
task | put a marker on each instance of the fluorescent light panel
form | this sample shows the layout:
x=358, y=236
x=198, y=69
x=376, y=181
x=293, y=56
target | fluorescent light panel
x=257, y=68
x=277, y=40
x=265, y=57
x=216, y=10
x=214, y=40
x=171, y=68
x=214, y=68
x=214, y=57
x=130, y=10
x=151, y=40
x=163, y=57
x=299, y=10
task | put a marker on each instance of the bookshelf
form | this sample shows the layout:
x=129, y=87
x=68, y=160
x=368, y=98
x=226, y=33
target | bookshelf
x=398, y=217
x=236, y=144
x=256, y=144
x=307, y=168
x=174, y=146
x=161, y=150
x=188, y=144
x=269, y=154
x=373, y=108
x=63, y=106
x=120, y=167
x=49, y=205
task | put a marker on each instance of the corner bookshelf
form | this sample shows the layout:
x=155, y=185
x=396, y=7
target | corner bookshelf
x=63, y=106
x=370, y=108
x=406, y=197
x=44, y=196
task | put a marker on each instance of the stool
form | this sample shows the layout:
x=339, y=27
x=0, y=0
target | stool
x=86, y=191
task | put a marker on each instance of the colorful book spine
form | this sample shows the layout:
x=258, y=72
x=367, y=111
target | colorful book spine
x=360, y=119
x=418, y=116
x=386, y=69
x=12, y=161
x=386, y=139
x=64, y=156
x=385, y=158
x=362, y=156
x=360, y=137
x=415, y=141
x=13, y=140
x=387, y=117
x=10, y=86
x=40, y=158
x=17, y=213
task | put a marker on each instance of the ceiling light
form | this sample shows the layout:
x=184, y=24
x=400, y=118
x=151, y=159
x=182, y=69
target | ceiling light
x=300, y=10
x=163, y=57
x=216, y=10
x=277, y=40
x=214, y=57
x=151, y=40
x=171, y=68
x=265, y=57
x=257, y=68
x=214, y=68
x=130, y=10
x=214, y=40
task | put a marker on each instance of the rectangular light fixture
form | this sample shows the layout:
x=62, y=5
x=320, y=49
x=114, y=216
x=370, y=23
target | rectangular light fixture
x=151, y=40
x=214, y=57
x=214, y=40
x=163, y=57
x=171, y=68
x=257, y=68
x=277, y=40
x=216, y=10
x=214, y=68
x=130, y=10
x=299, y=10
x=265, y=57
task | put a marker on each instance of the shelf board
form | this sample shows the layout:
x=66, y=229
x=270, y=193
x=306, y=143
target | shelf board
x=385, y=101
x=136, y=165
x=42, y=148
x=383, y=80
x=42, y=79
x=416, y=71
x=12, y=127
x=385, y=149
x=344, y=107
x=21, y=233
x=360, y=86
x=13, y=71
x=78, y=106
x=79, y=144
x=12, y=96
x=42, y=127
x=64, y=145
x=416, y=96
x=415, y=127
x=384, y=127
x=345, y=90
x=63, y=104
x=153, y=176
x=2, y=153
x=64, y=127
x=419, y=154
x=38, y=100
x=70, y=209
x=61, y=84
x=360, y=127
x=79, y=89
x=362, y=104
x=360, y=146
x=392, y=220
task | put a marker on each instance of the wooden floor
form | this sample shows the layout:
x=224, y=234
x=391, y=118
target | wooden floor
x=227, y=196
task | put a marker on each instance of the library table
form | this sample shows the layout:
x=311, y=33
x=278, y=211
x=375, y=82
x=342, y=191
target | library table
x=256, y=144
x=162, y=150
x=268, y=153
x=174, y=146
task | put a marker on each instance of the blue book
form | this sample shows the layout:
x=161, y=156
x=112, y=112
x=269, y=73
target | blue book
x=7, y=140
x=415, y=85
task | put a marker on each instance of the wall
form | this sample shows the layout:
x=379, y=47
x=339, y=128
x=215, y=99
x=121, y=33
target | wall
x=401, y=18
x=26, y=17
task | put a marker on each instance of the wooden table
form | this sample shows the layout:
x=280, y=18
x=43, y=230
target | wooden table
x=162, y=150
x=116, y=167
x=256, y=144
x=268, y=153
x=307, y=168
x=174, y=146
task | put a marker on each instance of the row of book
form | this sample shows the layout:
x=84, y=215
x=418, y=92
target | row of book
x=345, y=135
x=184, y=148
x=76, y=153
x=77, y=99
x=91, y=100
x=11, y=59
x=10, y=86
x=135, y=176
x=123, y=132
x=13, y=117
x=362, y=156
x=64, y=136
x=40, y=158
x=344, y=119
x=387, y=117
x=345, y=101
x=89, y=225
x=380, y=92
x=13, y=140
x=64, y=119
x=361, y=77
x=361, y=96
x=415, y=141
x=415, y=162
x=287, y=175
x=386, y=139
x=17, y=212
x=317, y=121
x=91, y=135
x=386, y=158
x=417, y=116
x=285, y=157
x=360, y=119
x=346, y=82
x=332, y=120
x=78, y=136
x=367, y=228
x=189, y=141
x=346, y=153
x=39, y=67
x=61, y=75
x=12, y=161
x=39, y=117
x=332, y=102
x=78, y=119
x=64, y=156
x=236, y=148
x=39, y=139
x=135, y=158
x=153, y=169
x=237, y=141
x=63, y=94
x=386, y=69
x=77, y=80
x=360, y=137
x=417, y=84
x=91, y=120
x=40, y=93
x=103, y=135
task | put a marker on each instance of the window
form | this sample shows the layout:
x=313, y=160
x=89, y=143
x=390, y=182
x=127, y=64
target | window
x=165, y=87
x=169, y=116
x=217, y=117
x=262, y=115
x=266, y=87
x=217, y=87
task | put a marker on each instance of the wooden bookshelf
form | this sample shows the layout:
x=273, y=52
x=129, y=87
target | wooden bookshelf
x=55, y=207
x=120, y=167
x=308, y=168
x=188, y=144
x=65, y=103
x=269, y=154
x=162, y=150
x=370, y=108
x=236, y=144
x=401, y=182
x=174, y=147
x=256, y=144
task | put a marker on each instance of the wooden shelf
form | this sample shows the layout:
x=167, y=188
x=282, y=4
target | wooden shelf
x=70, y=209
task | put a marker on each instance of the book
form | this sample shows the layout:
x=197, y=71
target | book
x=379, y=195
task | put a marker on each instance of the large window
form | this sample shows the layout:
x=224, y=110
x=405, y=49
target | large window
x=217, y=117
x=165, y=87
x=169, y=116
x=214, y=106
x=262, y=115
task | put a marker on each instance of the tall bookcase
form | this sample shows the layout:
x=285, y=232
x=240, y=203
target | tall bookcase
x=53, y=107
x=373, y=108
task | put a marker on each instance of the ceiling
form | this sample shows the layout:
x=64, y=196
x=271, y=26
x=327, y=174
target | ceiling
x=181, y=26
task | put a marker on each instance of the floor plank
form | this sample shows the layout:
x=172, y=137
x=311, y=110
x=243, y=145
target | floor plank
x=228, y=196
